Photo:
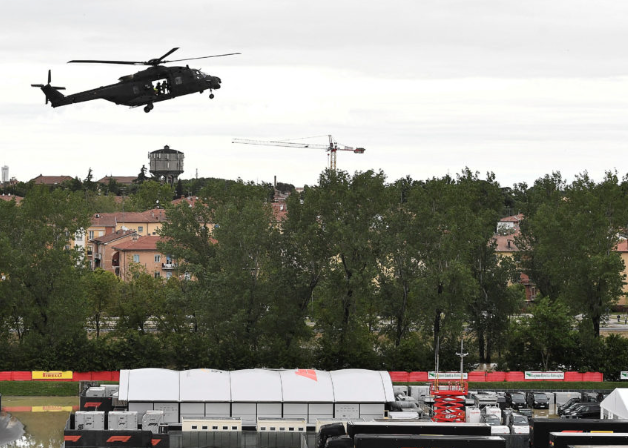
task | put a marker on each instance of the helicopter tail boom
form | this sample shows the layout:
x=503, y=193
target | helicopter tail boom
x=52, y=92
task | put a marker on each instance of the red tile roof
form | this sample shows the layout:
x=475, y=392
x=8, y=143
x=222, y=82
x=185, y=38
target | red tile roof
x=114, y=236
x=148, y=243
x=50, y=180
x=514, y=218
x=124, y=180
x=10, y=197
x=502, y=243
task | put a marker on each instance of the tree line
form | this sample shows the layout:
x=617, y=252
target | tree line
x=360, y=273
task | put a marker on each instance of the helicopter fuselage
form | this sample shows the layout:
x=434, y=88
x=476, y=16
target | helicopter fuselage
x=140, y=89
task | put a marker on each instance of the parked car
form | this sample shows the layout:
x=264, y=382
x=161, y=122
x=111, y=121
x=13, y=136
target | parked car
x=566, y=405
x=537, y=400
x=518, y=424
x=490, y=419
x=516, y=400
x=526, y=412
x=583, y=410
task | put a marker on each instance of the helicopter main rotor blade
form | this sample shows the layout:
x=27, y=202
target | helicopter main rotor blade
x=95, y=61
x=202, y=57
x=168, y=54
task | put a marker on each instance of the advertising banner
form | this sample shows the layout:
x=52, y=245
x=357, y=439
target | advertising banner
x=52, y=375
x=445, y=376
x=623, y=375
x=544, y=376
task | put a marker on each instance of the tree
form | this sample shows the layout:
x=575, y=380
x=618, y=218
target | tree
x=347, y=227
x=41, y=298
x=545, y=339
x=102, y=290
x=568, y=240
x=141, y=177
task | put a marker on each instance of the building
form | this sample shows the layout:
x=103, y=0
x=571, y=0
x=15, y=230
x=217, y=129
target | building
x=166, y=164
x=141, y=251
x=101, y=253
x=258, y=393
x=5, y=174
x=122, y=180
x=50, y=180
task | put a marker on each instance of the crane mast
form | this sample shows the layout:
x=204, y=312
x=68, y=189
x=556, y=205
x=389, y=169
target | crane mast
x=332, y=148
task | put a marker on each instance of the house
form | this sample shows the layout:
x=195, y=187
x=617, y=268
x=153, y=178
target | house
x=50, y=180
x=122, y=180
x=11, y=197
x=100, y=251
x=142, y=251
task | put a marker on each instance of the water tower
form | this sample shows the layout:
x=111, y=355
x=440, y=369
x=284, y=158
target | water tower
x=166, y=164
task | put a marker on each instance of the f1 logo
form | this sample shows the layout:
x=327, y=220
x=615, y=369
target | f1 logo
x=92, y=404
x=71, y=438
x=118, y=439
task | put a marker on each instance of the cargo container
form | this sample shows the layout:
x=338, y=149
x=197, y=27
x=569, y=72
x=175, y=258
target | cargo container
x=90, y=420
x=421, y=441
x=565, y=439
x=212, y=424
x=540, y=428
x=477, y=429
x=119, y=420
x=281, y=424
x=151, y=420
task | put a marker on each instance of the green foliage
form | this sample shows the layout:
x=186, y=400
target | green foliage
x=361, y=273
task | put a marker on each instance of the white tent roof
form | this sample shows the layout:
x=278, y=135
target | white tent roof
x=204, y=385
x=256, y=385
x=616, y=403
x=306, y=386
x=149, y=385
x=353, y=385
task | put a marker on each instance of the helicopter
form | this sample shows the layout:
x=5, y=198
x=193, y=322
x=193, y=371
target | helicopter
x=138, y=89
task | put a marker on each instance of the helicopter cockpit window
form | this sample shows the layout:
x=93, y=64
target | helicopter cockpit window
x=178, y=80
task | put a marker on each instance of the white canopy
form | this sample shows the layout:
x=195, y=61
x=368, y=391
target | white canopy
x=256, y=385
x=615, y=405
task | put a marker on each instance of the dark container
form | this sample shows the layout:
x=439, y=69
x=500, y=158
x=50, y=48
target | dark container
x=436, y=441
x=418, y=428
x=540, y=428
x=566, y=439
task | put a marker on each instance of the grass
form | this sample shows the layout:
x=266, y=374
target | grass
x=39, y=388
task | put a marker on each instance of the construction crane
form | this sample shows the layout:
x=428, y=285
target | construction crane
x=332, y=148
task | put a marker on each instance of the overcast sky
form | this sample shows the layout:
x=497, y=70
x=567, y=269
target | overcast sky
x=519, y=88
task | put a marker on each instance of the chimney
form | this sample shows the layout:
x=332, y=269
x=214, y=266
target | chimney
x=508, y=244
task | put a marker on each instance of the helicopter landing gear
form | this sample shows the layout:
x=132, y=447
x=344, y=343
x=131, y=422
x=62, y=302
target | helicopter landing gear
x=148, y=107
x=211, y=96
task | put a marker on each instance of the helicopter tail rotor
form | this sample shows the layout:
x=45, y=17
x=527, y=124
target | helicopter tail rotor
x=51, y=92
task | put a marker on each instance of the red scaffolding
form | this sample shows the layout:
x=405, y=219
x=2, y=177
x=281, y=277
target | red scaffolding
x=449, y=400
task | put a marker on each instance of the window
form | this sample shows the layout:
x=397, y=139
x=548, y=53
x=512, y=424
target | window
x=204, y=427
x=225, y=428
x=234, y=428
x=140, y=229
x=272, y=428
x=263, y=428
x=194, y=427
x=178, y=81
x=215, y=428
x=157, y=258
x=168, y=274
x=157, y=275
x=91, y=234
x=290, y=429
x=101, y=232
x=136, y=258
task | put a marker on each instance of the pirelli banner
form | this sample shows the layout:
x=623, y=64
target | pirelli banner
x=53, y=375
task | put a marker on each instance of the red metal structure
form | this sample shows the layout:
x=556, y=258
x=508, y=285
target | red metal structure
x=449, y=401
